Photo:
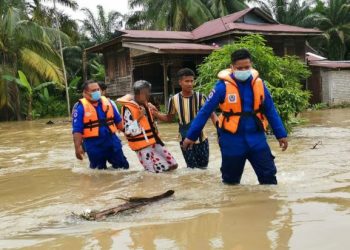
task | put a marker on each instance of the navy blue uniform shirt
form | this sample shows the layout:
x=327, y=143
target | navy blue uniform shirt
x=105, y=138
x=248, y=132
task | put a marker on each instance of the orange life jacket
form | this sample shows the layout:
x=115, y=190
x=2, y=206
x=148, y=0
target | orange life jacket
x=232, y=106
x=91, y=121
x=150, y=136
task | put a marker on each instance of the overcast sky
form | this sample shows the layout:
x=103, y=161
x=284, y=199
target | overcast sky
x=108, y=5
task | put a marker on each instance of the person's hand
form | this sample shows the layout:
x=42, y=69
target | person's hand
x=79, y=153
x=152, y=107
x=283, y=143
x=187, y=144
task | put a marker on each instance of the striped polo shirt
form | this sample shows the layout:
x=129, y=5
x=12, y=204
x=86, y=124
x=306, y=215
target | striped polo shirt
x=186, y=108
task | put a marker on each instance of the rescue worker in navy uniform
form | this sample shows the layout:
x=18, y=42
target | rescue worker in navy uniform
x=95, y=122
x=247, y=109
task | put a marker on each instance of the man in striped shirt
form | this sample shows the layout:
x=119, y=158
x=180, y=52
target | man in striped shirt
x=186, y=105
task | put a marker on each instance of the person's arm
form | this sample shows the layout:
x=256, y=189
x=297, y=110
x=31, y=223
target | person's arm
x=275, y=120
x=170, y=116
x=78, y=145
x=78, y=128
x=216, y=96
x=213, y=117
x=117, y=118
x=164, y=117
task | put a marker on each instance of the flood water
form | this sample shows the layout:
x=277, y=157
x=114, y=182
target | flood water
x=41, y=184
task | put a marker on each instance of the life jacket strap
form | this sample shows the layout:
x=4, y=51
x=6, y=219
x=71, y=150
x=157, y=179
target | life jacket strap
x=227, y=115
x=131, y=139
x=99, y=123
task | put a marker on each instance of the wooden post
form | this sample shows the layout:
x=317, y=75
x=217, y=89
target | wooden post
x=165, y=81
x=84, y=66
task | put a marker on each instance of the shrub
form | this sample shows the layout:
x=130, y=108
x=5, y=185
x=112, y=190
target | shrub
x=282, y=75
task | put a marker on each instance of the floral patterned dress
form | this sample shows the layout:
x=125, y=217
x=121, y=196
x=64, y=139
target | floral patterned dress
x=155, y=158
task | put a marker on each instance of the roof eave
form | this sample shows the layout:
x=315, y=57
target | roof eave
x=192, y=52
x=246, y=32
x=98, y=48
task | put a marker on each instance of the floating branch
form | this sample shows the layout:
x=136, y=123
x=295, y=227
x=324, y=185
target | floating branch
x=131, y=203
x=316, y=144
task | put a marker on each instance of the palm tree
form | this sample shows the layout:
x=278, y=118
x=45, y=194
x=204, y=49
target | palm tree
x=27, y=46
x=332, y=17
x=100, y=28
x=45, y=16
x=292, y=12
x=169, y=14
x=221, y=8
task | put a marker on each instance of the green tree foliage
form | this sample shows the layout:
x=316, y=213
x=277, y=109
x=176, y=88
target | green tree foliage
x=179, y=14
x=283, y=76
x=220, y=8
x=45, y=15
x=332, y=17
x=100, y=28
x=28, y=88
x=292, y=12
x=98, y=71
x=27, y=46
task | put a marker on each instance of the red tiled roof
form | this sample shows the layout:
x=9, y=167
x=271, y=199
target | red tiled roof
x=160, y=48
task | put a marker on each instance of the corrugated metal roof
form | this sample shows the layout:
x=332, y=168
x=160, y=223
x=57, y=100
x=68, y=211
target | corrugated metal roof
x=228, y=24
x=161, y=48
x=181, y=35
x=232, y=23
x=319, y=61
x=331, y=64
x=314, y=57
x=270, y=28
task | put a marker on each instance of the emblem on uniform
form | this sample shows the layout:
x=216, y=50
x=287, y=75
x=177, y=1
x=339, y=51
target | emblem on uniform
x=211, y=94
x=232, y=98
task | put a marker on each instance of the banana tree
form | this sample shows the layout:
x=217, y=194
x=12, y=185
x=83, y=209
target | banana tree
x=28, y=88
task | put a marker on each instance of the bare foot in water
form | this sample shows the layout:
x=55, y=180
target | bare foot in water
x=173, y=167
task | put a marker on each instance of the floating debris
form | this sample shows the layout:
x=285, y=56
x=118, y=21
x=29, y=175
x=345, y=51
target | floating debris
x=131, y=203
x=316, y=144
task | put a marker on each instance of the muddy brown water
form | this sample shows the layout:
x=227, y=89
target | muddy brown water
x=41, y=183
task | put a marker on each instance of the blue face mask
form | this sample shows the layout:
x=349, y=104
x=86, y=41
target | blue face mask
x=242, y=75
x=95, y=96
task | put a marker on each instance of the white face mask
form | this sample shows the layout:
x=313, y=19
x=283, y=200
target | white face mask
x=242, y=75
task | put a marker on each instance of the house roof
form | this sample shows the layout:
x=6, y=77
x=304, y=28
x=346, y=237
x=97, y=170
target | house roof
x=171, y=48
x=246, y=21
x=236, y=23
x=322, y=62
x=155, y=34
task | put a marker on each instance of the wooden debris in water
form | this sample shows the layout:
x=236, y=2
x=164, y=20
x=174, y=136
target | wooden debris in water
x=316, y=144
x=131, y=203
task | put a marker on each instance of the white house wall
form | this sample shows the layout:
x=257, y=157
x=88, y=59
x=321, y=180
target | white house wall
x=335, y=86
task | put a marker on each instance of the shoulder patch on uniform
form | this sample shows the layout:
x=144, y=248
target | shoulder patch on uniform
x=211, y=94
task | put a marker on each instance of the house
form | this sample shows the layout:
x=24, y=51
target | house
x=330, y=80
x=156, y=56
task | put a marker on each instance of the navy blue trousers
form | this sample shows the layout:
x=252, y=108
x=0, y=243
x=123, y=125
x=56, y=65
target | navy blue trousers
x=197, y=156
x=99, y=156
x=259, y=156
